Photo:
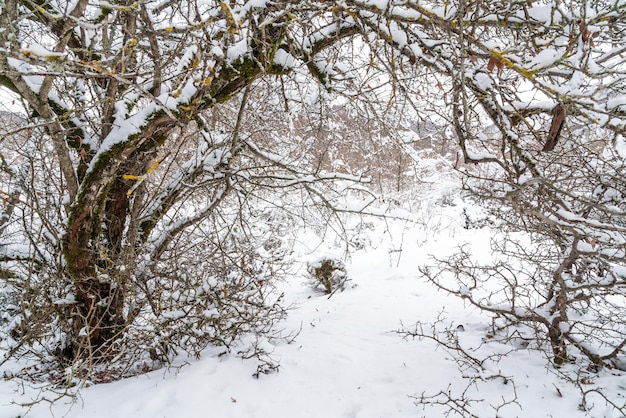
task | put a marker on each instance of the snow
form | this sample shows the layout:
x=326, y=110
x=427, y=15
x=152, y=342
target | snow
x=379, y=4
x=255, y=3
x=123, y=128
x=284, y=59
x=34, y=82
x=40, y=51
x=542, y=14
x=483, y=81
x=544, y=59
x=237, y=50
x=347, y=359
x=616, y=104
x=479, y=156
x=174, y=314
